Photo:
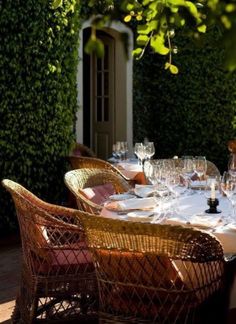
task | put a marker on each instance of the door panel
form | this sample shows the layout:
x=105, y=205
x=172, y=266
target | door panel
x=102, y=99
x=102, y=144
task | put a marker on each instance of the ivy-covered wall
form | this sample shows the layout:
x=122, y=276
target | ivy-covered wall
x=192, y=113
x=38, y=100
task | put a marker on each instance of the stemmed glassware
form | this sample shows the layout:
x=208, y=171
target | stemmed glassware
x=149, y=150
x=199, y=168
x=150, y=171
x=115, y=152
x=232, y=166
x=187, y=169
x=120, y=150
x=228, y=187
x=139, y=150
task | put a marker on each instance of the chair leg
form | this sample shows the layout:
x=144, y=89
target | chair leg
x=16, y=315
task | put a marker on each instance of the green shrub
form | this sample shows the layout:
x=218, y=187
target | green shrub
x=192, y=112
x=38, y=64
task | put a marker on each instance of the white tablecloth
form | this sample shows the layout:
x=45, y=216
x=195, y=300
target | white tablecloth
x=191, y=212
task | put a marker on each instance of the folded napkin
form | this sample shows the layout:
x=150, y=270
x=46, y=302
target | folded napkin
x=135, y=203
x=144, y=190
x=206, y=220
x=201, y=221
x=140, y=215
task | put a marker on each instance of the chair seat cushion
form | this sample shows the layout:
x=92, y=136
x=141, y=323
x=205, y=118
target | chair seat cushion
x=136, y=268
x=99, y=194
x=146, y=286
x=71, y=259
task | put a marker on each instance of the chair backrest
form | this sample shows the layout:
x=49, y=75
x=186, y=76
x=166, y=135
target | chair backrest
x=82, y=150
x=81, y=162
x=212, y=169
x=151, y=272
x=52, y=242
x=78, y=180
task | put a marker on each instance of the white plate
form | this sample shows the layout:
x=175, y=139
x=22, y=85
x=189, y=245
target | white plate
x=118, y=197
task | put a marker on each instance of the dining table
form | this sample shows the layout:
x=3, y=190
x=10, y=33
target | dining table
x=186, y=208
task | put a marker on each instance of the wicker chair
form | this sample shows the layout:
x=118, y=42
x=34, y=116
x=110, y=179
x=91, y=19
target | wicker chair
x=81, y=150
x=152, y=273
x=81, y=162
x=77, y=180
x=58, y=281
x=212, y=169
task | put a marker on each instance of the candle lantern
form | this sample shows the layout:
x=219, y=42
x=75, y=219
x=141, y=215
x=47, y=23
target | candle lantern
x=213, y=203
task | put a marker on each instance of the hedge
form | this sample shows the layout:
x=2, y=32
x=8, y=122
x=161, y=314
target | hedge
x=192, y=113
x=38, y=64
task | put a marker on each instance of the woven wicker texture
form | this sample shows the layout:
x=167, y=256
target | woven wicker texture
x=152, y=273
x=81, y=162
x=58, y=280
x=76, y=180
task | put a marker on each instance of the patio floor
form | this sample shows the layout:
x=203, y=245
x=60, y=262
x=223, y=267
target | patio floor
x=10, y=255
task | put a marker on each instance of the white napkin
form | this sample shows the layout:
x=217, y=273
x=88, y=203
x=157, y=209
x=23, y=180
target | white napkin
x=144, y=190
x=137, y=203
x=140, y=215
x=201, y=221
x=205, y=220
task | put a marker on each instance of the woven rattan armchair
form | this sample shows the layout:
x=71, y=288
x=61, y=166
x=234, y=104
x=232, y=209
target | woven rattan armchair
x=212, y=169
x=58, y=281
x=153, y=273
x=77, y=180
x=81, y=162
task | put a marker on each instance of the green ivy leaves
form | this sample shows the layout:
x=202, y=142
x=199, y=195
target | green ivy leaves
x=94, y=45
x=39, y=60
x=56, y=4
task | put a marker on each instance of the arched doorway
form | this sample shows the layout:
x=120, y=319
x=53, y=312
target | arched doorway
x=105, y=94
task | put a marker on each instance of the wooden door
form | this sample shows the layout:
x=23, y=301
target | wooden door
x=102, y=99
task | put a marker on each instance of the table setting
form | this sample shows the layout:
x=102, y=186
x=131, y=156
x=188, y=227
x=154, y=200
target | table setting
x=176, y=196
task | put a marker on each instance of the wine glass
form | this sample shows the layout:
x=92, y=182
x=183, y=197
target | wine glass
x=187, y=169
x=126, y=149
x=232, y=166
x=114, y=152
x=122, y=150
x=200, y=167
x=150, y=171
x=229, y=189
x=139, y=150
x=149, y=150
x=118, y=150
